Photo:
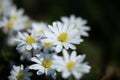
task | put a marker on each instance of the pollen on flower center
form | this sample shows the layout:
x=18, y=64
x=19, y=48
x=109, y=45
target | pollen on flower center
x=30, y=39
x=10, y=25
x=63, y=37
x=47, y=63
x=47, y=44
x=70, y=65
x=20, y=76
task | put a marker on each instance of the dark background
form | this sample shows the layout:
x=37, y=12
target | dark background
x=102, y=47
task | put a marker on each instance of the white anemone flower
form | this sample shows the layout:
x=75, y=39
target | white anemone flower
x=19, y=73
x=44, y=65
x=62, y=36
x=71, y=64
x=78, y=23
x=39, y=27
x=29, y=41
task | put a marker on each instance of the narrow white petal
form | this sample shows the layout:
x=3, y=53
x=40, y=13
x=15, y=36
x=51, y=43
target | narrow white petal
x=34, y=59
x=40, y=72
x=72, y=46
x=21, y=35
x=65, y=74
x=58, y=48
x=73, y=56
x=65, y=55
x=76, y=74
x=34, y=45
x=80, y=58
x=20, y=45
x=36, y=67
x=28, y=47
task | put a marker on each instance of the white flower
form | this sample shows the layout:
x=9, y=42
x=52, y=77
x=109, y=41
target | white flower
x=62, y=36
x=11, y=25
x=5, y=6
x=39, y=27
x=44, y=64
x=19, y=73
x=29, y=41
x=78, y=23
x=71, y=64
x=16, y=14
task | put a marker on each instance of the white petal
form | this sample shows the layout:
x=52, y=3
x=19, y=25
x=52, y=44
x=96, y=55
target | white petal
x=65, y=74
x=40, y=72
x=72, y=46
x=20, y=45
x=80, y=58
x=65, y=55
x=21, y=35
x=34, y=45
x=73, y=56
x=34, y=59
x=28, y=47
x=66, y=45
x=76, y=74
x=36, y=67
x=58, y=48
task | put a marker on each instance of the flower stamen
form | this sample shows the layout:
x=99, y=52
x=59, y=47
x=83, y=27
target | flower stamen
x=30, y=39
x=63, y=37
x=70, y=65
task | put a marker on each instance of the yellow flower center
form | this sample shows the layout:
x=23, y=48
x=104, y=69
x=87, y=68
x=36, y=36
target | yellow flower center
x=30, y=39
x=47, y=63
x=15, y=17
x=63, y=37
x=47, y=44
x=20, y=76
x=10, y=25
x=70, y=65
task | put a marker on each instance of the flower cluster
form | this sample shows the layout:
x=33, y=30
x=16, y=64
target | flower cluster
x=51, y=47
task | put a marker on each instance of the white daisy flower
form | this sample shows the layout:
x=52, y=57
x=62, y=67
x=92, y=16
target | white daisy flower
x=19, y=73
x=62, y=36
x=29, y=41
x=78, y=23
x=39, y=27
x=5, y=6
x=11, y=25
x=44, y=64
x=16, y=14
x=71, y=64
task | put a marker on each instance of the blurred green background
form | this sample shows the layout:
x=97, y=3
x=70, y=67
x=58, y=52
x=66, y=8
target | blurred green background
x=102, y=47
